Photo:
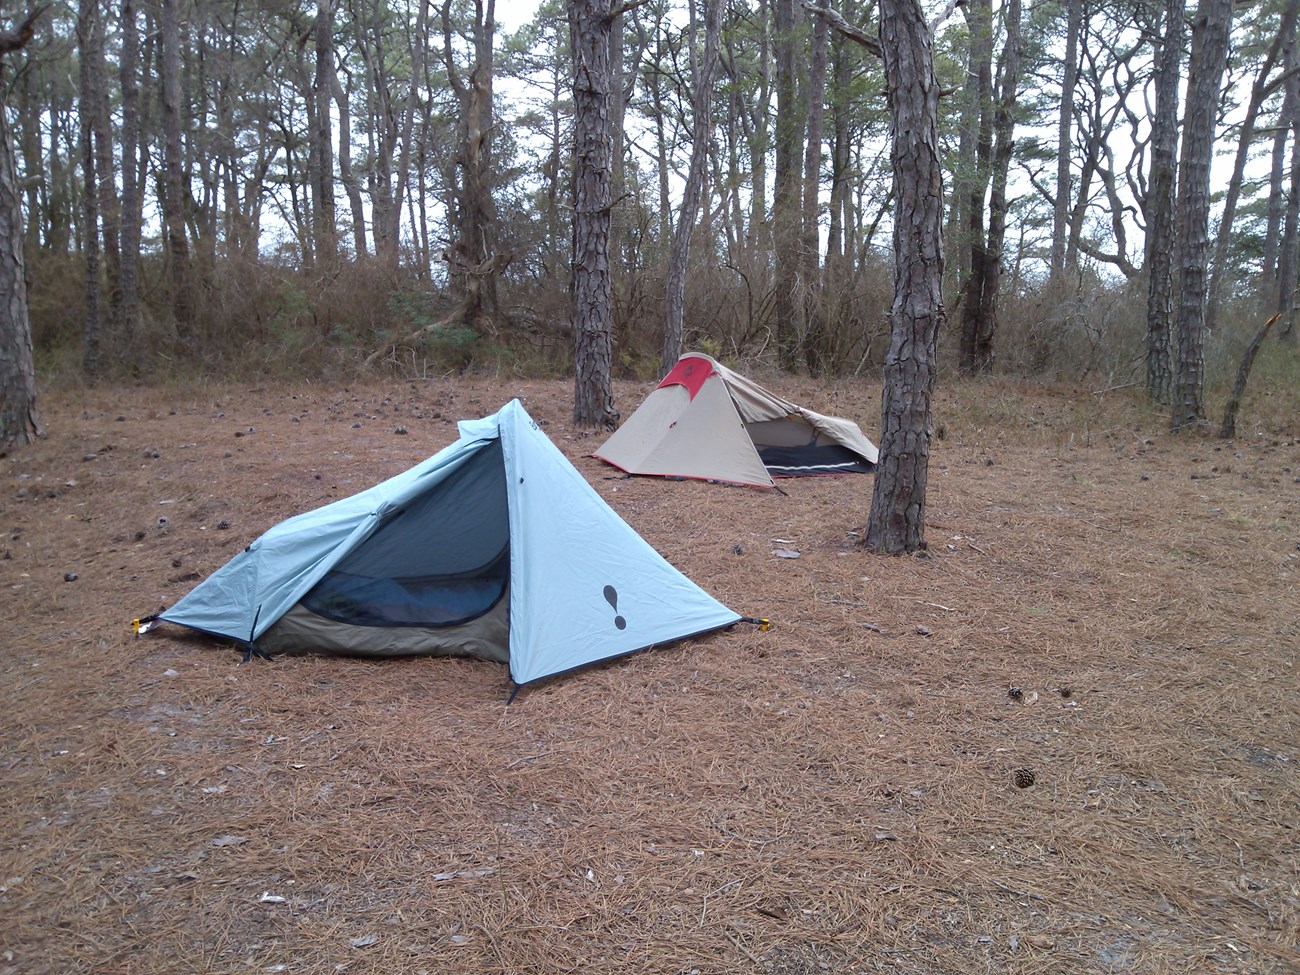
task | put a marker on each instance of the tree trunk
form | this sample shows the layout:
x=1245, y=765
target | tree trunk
x=1004, y=122
x=473, y=261
x=110, y=208
x=1205, y=70
x=178, y=250
x=816, y=341
x=593, y=393
x=127, y=311
x=655, y=81
x=993, y=158
x=1160, y=209
x=974, y=145
x=897, y=520
x=87, y=33
x=1276, y=192
x=346, y=174
x=1065, y=143
x=324, y=219
x=837, y=237
x=785, y=187
x=1287, y=252
x=754, y=123
x=1259, y=91
x=1229, y=428
x=20, y=421
x=701, y=123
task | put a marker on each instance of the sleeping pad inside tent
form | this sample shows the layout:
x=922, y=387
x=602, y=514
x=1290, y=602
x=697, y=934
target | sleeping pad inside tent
x=495, y=547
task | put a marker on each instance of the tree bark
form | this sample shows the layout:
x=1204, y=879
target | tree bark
x=20, y=421
x=87, y=33
x=993, y=159
x=1276, y=192
x=474, y=262
x=347, y=175
x=785, y=187
x=1065, y=142
x=897, y=520
x=1287, y=251
x=178, y=250
x=1209, y=60
x=1259, y=91
x=324, y=218
x=816, y=341
x=127, y=311
x=593, y=393
x=110, y=208
x=701, y=123
x=1161, y=208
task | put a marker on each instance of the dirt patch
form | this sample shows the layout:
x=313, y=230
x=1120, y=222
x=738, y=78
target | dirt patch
x=1106, y=607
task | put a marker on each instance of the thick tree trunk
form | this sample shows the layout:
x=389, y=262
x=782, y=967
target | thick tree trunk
x=897, y=521
x=701, y=123
x=1209, y=60
x=1160, y=209
x=593, y=393
x=20, y=421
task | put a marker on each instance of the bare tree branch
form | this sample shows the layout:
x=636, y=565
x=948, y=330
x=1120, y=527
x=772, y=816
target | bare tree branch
x=855, y=34
x=18, y=38
x=625, y=8
x=942, y=16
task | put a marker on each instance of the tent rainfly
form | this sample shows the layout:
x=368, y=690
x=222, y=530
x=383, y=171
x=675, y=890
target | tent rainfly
x=495, y=547
x=705, y=421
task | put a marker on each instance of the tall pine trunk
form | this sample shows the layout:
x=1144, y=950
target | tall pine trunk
x=1161, y=206
x=785, y=187
x=589, y=289
x=20, y=421
x=1205, y=71
x=897, y=520
x=178, y=248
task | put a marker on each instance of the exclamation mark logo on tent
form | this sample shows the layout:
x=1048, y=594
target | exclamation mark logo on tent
x=611, y=597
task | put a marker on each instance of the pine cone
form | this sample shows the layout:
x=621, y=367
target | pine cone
x=1023, y=778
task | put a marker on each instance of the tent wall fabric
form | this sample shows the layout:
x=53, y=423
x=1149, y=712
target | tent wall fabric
x=706, y=421
x=495, y=547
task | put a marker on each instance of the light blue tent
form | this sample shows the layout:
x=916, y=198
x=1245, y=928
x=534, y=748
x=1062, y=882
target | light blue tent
x=495, y=547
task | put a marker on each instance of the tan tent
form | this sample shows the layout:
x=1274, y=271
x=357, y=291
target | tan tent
x=705, y=421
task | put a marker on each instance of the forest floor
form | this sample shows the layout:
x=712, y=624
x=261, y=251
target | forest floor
x=1111, y=607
